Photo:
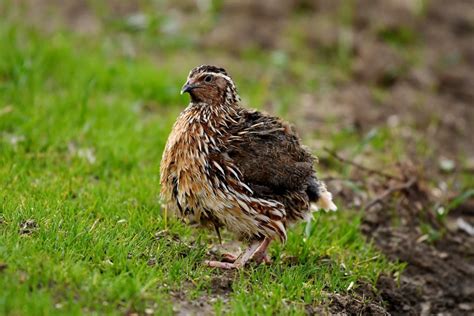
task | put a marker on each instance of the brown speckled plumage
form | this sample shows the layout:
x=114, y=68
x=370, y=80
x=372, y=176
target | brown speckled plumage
x=229, y=166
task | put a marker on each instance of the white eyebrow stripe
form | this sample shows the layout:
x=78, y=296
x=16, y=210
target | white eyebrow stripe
x=217, y=75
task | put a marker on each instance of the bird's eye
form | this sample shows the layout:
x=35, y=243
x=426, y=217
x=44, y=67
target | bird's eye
x=208, y=78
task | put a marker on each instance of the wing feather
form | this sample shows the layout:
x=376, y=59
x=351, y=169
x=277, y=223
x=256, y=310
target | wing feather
x=268, y=153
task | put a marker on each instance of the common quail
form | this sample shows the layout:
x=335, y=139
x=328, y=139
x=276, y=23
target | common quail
x=228, y=166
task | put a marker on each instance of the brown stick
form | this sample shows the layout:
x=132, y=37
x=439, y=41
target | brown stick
x=389, y=191
x=329, y=179
x=362, y=167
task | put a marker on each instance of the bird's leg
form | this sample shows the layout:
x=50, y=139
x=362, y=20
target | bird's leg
x=239, y=262
x=216, y=227
x=261, y=253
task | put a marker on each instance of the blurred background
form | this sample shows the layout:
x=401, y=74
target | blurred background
x=89, y=91
x=329, y=66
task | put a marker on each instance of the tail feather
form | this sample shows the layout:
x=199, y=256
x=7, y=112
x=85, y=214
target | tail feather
x=325, y=202
x=320, y=197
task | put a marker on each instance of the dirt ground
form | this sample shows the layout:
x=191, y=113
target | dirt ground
x=438, y=277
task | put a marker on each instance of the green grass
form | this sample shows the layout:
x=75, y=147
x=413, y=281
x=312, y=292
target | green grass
x=82, y=129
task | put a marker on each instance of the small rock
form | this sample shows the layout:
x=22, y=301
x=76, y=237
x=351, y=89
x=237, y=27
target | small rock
x=13, y=139
x=425, y=309
x=28, y=227
x=22, y=277
x=440, y=210
x=466, y=307
x=465, y=226
x=5, y=110
x=469, y=164
x=137, y=21
x=160, y=234
x=447, y=165
x=87, y=154
x=84, y=153
x=443, y=255
x=393, y=121
x=151, y=262
x=422, y=238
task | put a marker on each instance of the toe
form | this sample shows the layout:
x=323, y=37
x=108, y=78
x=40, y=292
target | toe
x=228, y=257
x=267, y=259
x=220, y=265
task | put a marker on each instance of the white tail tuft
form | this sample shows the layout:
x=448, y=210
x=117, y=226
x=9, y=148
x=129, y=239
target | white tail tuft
x=324, y=202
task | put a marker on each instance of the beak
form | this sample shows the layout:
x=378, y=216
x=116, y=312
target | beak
x=188, y=87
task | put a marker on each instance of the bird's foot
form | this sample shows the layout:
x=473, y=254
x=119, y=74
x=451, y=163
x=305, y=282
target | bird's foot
x=228, y=262
x=239, y=262
x=266, y=259
x=256, y=252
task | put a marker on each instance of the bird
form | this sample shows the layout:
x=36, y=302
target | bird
x=227, y=166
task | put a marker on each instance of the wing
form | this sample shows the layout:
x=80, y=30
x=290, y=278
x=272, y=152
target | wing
x=268, y=153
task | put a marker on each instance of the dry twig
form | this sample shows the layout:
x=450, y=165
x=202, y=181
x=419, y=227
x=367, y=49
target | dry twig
x=362, y=167
x=390, y=191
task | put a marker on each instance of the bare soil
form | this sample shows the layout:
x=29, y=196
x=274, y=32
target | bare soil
x=438, y=277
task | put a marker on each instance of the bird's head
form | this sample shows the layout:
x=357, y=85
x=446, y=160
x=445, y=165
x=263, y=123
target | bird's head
x=210, y=85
